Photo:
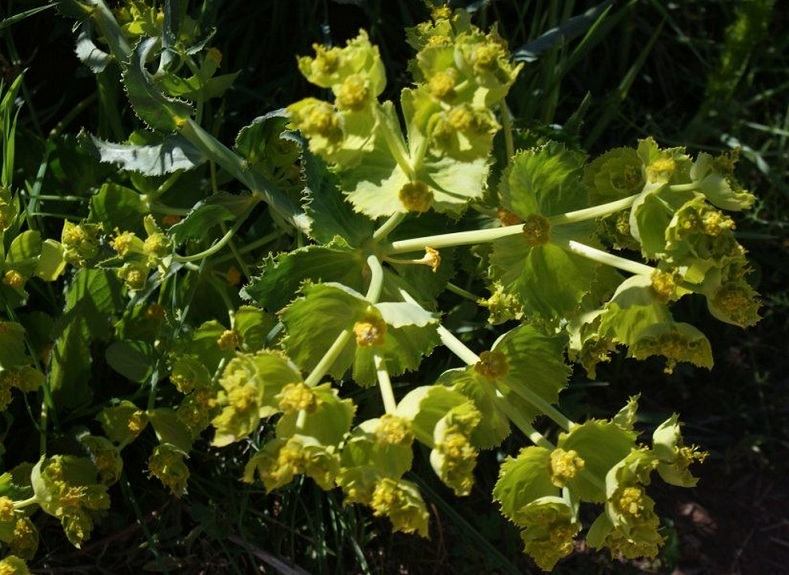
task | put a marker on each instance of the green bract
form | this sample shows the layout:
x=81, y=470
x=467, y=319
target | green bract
x=283, y=293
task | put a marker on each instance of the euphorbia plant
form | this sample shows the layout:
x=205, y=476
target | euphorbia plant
x=388, y=204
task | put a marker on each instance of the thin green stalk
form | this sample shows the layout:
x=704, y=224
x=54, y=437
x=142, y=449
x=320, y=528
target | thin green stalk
x=72, y=113
x=606, y=258
x=395, y=144
x=691, y=187
x=251, y=246
x=450, y=240
x=376, y=279
x=546, y=408
x=463, y=293
x=221, y=243
x=520, y=421
x=506, y=123
x=387, y=227
x=317, y=373
x=594, y=212
x=384, y=383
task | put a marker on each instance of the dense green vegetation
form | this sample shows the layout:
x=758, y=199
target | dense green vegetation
x=398, y=268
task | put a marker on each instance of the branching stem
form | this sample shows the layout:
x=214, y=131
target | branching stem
x=384, y=383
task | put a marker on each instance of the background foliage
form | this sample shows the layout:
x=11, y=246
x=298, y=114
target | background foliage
x=710, y=75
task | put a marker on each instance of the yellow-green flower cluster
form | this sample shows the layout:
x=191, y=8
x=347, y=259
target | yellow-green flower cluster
x=80, y=242
x=141, y=256
x=400, y=501
x=70, y=496
x=167, y=464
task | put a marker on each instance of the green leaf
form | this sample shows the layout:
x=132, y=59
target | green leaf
x=170, y=429
x=425, y=406
x=719, y=189
x=281, y=278
x=524, y=479
x=134, y=360
x=91, y=299
x=549, y=281
x=13, y=351
x=327, y=423
x=545, y=180
x=211, y=212
x=174, y=153
x=51, y=262
x=536, y=366
x=315, y=321
x=331, y=214
x=253, y=325
x=150, y=105
x=116, y=206
x=601, y=445
x=494, y=425
x=123, y=422
x=23, y=254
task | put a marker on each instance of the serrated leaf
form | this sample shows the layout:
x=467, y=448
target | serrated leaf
x=174, y=153
x=253, y=325
x=549, y=281
x=425, y=406
x=151, y=106
x=281, y=278
x=545, y=180
x=601, y=445
x=536, y=366
x=212, y=211
x=316, y=320
x=325, y=204
x=494, y=426
x=524, y=479
x=88, y=53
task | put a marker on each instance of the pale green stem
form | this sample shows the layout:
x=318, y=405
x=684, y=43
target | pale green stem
x=317, y=373
x=594, y=212
x=506, y=122
x=301, y=420
x=546, y=408
x=463, y=293
x=452, y=343
x=221, y=243
x=387, y=227
x=395, y=144
x=373, y=293
x=384, y=383
x=453, y=239
x=691, y=187
x=376, y=279
x=25, y=502
x=492, y=234
x=606, y=258
x=251, y=246
x=461, y=350
x=520, y=421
